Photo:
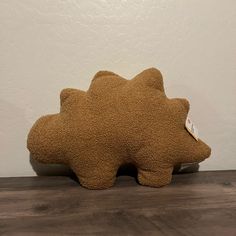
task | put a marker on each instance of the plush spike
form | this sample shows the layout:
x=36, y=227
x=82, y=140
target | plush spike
x=151, y=77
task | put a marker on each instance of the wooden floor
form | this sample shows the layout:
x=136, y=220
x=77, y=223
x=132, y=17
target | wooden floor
x=202, y=203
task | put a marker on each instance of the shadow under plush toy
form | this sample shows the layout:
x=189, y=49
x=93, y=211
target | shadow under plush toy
x=118, y=121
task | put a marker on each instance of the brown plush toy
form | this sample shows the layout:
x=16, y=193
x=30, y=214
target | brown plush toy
x=118, y=121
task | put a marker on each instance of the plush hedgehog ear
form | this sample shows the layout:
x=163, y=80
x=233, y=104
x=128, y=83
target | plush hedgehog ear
x=151, y=78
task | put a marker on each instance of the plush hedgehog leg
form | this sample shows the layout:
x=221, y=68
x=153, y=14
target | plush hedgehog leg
x=97, y=178
x=155, y=178
x=96, y=171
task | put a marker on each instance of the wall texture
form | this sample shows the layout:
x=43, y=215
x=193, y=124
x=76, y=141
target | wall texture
x=48, y=45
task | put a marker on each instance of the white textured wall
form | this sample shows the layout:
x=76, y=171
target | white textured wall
x=48, y=45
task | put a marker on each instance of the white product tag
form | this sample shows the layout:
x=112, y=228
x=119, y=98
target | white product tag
x=191, y=128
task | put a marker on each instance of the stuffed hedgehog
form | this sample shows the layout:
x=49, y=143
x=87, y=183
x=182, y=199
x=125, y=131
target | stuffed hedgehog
x=117, y=122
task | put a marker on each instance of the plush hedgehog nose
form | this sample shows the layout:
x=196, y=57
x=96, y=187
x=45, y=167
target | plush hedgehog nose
x=34, y=136
x=35, y=141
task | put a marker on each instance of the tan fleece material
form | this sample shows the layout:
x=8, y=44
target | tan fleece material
x=118, y=121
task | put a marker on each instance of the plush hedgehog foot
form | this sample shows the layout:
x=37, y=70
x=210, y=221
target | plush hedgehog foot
x=96, y=182
x=158, y=178
x=94, y=178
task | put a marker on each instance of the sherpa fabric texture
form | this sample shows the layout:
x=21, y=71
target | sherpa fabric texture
x=116, y=122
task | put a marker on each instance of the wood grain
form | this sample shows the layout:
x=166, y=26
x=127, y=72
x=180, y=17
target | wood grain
x=201, y=203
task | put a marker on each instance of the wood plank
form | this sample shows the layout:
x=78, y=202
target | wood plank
x=194, y=204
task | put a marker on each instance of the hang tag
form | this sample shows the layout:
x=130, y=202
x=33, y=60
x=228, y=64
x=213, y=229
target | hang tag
x=191, y=128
